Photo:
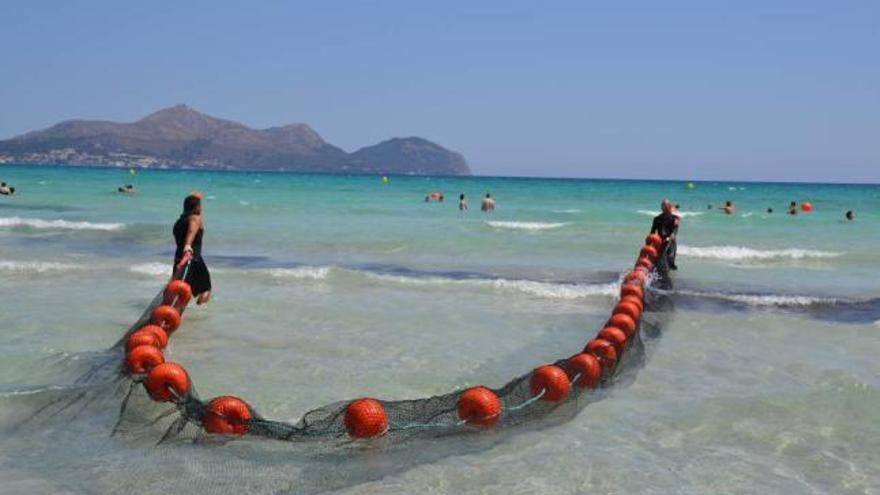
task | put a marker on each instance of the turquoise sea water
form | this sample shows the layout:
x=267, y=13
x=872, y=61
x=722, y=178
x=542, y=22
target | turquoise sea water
x=333, y=287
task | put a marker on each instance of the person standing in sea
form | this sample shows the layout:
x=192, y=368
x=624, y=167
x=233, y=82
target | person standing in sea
x=188, y=232
x=666, y=226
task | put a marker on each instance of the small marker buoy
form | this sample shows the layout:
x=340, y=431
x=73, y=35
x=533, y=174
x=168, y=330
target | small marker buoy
x=807, y=207
x=616, y=336
x=365, y=418
x=654, y=240
x=166, y=381
x=623, y=322
x=629, y=308
x=604, y=351
x=140, y=338
x=588, y=367
x=142, y=359
x=644, y=262
x=227, y=415
x=479, y=406
x=166, y=317
x=552, y=380
x=177, y=293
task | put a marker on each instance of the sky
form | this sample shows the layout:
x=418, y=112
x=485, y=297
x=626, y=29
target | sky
x=705, y=90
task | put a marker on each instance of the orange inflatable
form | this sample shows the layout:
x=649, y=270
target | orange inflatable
x=636, y=276
x=623, y=322
x=632, y=290
x=552, y=380
x=157, y=331
x=806, y=206
x=142, y=359
x=365, y=418
x=604, y=351
x=616, y=337
x=140, y=338
x=634, y=300
x=166, y=317
x=479, y=406
x=629, y=308
x=654, y=240
x=588, y=367
x=227, y=415
x=644, y=262
x=177, y=293
x=649, y=252
x=167, y=381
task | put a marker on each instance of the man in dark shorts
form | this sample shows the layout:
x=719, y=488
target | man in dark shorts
x=188, y=233
x=666, y=226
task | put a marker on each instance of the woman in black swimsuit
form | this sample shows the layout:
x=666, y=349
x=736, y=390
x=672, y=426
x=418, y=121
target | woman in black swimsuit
x=188, y=232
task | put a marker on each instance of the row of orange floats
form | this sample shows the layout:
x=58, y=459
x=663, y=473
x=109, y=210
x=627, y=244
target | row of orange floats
x=165, y=381
x=481, y=407
x=365, y=418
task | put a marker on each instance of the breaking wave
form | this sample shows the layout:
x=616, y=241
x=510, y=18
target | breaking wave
x=302, y=272
x=741, y=253
x=525, y=225
x=37, y=266
x=548, y=290
x=39, y=223
x=154, y=269
x=767, y=300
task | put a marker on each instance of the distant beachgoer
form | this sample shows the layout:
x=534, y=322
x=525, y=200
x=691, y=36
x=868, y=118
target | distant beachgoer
x=188, y=233
x=850, y=215
x=12, y=191
x=434, y=196
x=488, y=204
x=462, y=202
x=792, y=208
x=666, y=225
x=708, y=207
x=677, y=206
x=128, y=189
x=4, y=189
x=728, y=208
x=769, y=210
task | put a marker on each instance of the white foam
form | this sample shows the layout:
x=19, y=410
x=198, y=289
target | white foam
x=679, y=213
x=741, y=253
x=765, y=300
x=39, y=223
x=571, y=211
x=546, y=290
x=302, y=272
x=154, y=269
x=525, y=225
x=37, y=266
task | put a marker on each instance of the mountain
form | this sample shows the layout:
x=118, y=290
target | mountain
x=180, y=137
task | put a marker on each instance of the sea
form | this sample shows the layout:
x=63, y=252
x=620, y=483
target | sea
x=766, y=377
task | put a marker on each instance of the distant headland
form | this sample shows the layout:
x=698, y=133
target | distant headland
x=180, y=137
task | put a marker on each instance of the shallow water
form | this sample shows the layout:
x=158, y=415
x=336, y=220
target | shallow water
x=328, y=288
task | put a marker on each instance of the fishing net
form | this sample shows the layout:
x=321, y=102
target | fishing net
x=168, y=406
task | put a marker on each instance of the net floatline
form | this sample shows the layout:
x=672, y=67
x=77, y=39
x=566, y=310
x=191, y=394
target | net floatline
x=578, y=378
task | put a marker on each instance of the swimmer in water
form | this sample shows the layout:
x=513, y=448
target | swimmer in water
x=850, y=216
x=434, y=196
x=488, y=204
x=728, y=208
x=188, y=232
x=462, y=202
x=769, y=210
x=792, y=208
x=127, y=189
x=4, y=189
x=666, y=225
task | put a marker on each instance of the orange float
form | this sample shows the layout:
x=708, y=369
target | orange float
x=142, y=359
x=644, y=262
x=365, y=418
x=636, y=276
x=156, y=330
x=479, y=406
x=588, y=367
x=616, y=336
x=227, y=415
x=634, y=300
x=141, y=338
x=806, y=206
x=654, y=240
x=604, y=351
x=629, y=308
x=552, y=380
x=623, y=322
x=177, y=293
x=649, y=252
x=167, y=381
x=166, y=317
x=632, y=290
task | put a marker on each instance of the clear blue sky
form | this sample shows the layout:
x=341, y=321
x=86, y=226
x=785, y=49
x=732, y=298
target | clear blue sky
x=741, y=90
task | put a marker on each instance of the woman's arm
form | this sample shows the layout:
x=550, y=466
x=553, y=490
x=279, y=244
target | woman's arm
x=192, y=228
